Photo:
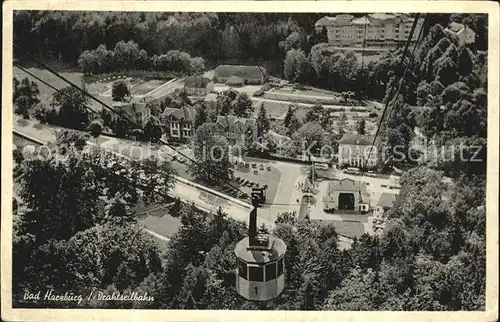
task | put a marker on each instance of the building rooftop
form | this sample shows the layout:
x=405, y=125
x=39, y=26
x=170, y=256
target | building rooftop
x=276, y=249
x=348, y=185
x=455, y=26
x=386, y=200
x=361, y=21
x=382, y=16
x=356, y=139
x=232, y=123
x=185, y=113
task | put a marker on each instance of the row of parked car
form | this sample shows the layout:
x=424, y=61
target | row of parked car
x=253, y=165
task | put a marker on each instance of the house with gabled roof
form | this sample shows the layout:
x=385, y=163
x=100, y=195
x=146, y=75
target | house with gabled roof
x=139, y=112
x=354, y=151
x=237, y=130
x=251, y=75
x=385, y=203
x=179, y=122
x=461, y=32
x=346, y=196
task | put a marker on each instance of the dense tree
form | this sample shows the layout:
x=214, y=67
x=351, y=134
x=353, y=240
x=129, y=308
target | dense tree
x=360, y=126
x=201, y=116
x=152, y=130
x=71, y=138
x=308, y=138
x=71, y=103
x=242, y=105
x=262, y=122
x=25, y=96
x=296, y=66
x=122, y=127
x=120, y=91
x=211, y=153
x=95, y=129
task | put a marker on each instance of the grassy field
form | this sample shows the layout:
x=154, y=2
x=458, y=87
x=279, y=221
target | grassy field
x=45, y=91
x=302, y=97
x=346, y=228
x=161, y=223
x=275, y=109
x=145, y=87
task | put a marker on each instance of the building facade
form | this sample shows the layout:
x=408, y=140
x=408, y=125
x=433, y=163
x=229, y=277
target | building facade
x=346, y=196
x=464, y=34
x=376, y=30
x=237, y=130
x=354, y=151
x=178, y=122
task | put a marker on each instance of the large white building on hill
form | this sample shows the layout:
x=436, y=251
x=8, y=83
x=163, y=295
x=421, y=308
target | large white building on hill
x=376, y=30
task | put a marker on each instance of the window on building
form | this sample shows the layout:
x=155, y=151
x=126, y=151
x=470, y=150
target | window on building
x=256, y=273
x=280, y=266
x=242, y=269
x=270, y=271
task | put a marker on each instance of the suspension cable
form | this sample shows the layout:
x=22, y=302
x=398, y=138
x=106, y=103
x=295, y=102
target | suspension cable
x=408, y=41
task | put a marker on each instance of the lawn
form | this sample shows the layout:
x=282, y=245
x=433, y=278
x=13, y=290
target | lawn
x=302, y=97
x=276, y=109
x=146, y=86
x=45, y=91
x=161, y=223
x=346, y=228
x=76, y=78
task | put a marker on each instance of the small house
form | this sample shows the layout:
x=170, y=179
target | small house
x=179, y=122
x=385, y=203
x=354, y=151
x=461, y=32
x=138, y=112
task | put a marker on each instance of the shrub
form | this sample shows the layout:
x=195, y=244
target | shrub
x=258, y=93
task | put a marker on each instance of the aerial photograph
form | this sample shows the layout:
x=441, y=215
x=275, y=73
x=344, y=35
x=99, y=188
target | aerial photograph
x=329, y=161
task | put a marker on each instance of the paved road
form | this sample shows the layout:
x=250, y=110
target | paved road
x=188, y=193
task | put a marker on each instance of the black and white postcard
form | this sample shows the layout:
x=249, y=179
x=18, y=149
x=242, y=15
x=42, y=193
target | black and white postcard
x=250, y=160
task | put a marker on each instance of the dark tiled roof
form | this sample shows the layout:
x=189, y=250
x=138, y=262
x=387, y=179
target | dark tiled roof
x=246, y=72
x=128, y=107
x=386, y=200
x=234, y=123
x=356, y=139
x=185, y=113
x=197, y=81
